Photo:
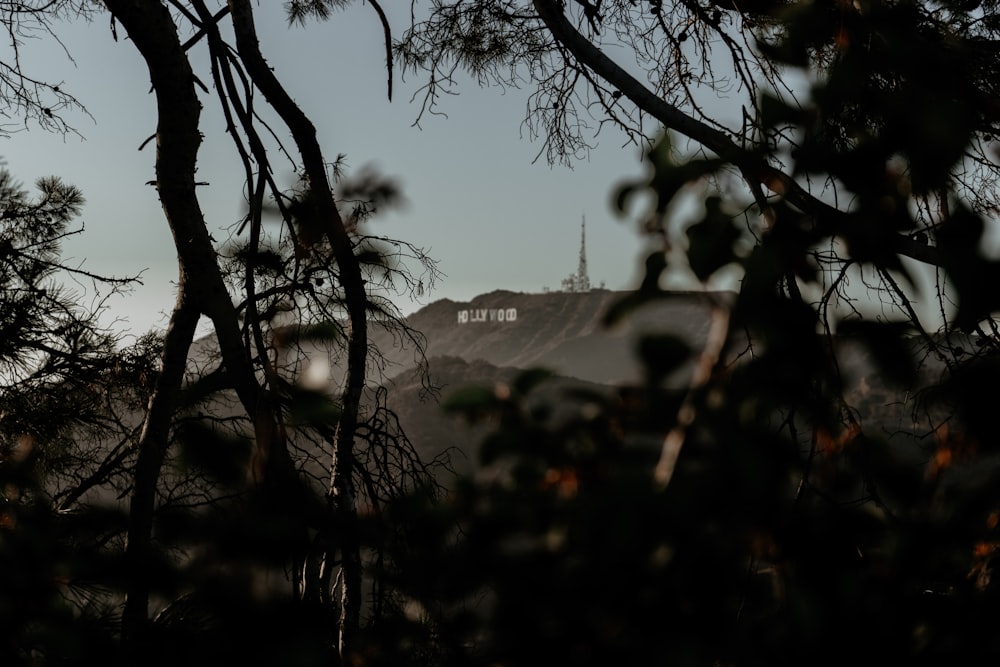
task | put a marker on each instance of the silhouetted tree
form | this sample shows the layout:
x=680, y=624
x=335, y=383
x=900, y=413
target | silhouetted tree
x=59, y=370
x=235, y=431
x=325, y=251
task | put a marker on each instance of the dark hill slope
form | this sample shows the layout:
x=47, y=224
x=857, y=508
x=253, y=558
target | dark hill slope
x=489, y=340
x=470, y=344
x=436, y=433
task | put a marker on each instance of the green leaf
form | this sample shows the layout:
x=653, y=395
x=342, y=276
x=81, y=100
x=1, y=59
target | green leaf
x=887, y=342
x=662, y=354
x=311, y=407
x=321, y=331
x=656, y=264
x=472, y=402
x=525, y=382
x=621, y=308
x=623, y=193
x=224, y=457
x=711, y=241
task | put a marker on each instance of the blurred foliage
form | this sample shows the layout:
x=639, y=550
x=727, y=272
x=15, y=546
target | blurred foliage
x=55, y=361
x=784, y=529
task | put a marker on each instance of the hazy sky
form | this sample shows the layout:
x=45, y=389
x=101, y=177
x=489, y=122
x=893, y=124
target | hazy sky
x=475, y=200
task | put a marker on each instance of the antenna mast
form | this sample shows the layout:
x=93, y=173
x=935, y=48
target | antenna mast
x=582, y=280
x=579, y=281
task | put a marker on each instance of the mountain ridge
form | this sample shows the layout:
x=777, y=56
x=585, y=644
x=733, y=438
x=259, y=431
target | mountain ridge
x=564, y=332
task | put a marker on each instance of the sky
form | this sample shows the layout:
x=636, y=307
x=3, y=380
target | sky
x=476, y=198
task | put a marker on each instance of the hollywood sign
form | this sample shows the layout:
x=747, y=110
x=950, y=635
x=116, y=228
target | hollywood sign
x=487, y=315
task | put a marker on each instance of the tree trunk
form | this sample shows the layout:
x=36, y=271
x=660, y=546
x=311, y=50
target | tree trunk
x=754, y=169
x=153, y=443
x=315, y=168
x=152, y=30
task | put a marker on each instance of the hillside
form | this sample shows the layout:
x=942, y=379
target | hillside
x=560, y=331
x=471, y=343
x=490, y=339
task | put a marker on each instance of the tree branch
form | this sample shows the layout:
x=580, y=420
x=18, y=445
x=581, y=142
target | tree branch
x=828, y=218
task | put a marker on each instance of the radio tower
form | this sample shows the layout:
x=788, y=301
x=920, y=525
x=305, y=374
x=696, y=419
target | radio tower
x=579, y=281
x=582, y=280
